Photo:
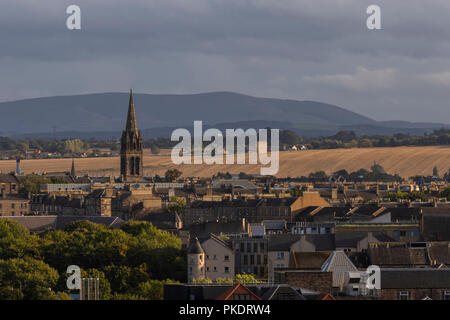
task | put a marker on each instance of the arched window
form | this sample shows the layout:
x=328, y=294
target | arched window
x=138, y=165
x=132, y=166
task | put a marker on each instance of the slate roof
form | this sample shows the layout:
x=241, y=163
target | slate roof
x=274, y=224
x=398, y=256
x=366, y=210
x=34, y=223
x=244, y=184
x=403, y=213
x=439, y=253
x=283, y=242
x=162, y=220
x=270, y=293
x=308, y=260
x=362, y=213
x=322, y=242
x=195, y=247
x=14, y=196
x=436, y=226
x=415, y=278
x=351, y=239
x=8, y=178
x=41, y=223
x=225, y=203
x=113, y=222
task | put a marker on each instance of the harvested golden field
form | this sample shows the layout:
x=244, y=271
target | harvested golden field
x=406, y=161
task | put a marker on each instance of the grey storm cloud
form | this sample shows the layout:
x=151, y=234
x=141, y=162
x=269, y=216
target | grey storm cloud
x=297, y=49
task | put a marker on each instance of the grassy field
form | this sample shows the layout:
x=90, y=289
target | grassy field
x=406, y=161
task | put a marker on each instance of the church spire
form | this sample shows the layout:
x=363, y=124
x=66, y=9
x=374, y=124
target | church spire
x=131, y=118
x=131, y=153
x=72, y=171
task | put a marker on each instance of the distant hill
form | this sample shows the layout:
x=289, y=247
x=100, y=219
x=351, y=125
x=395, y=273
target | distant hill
x=103, y=115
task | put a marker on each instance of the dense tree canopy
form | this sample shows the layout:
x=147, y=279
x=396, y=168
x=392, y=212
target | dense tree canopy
x=132, y=262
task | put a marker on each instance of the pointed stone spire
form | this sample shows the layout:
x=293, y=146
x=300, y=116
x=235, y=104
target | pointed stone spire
x=72, y=171
x=131, y=118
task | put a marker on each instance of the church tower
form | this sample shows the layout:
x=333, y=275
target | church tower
x=131, y=152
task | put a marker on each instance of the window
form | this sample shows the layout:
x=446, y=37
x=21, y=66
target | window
x=280, y=255
x=227, y=257
x=214, y=257
x=13, y=205
x=207, y=256
x=242, y=247
x=215, y=268
x=227, y=270
x=258, y=259
x=241, y=297
x=252, y=259
x=255, y=247
x=207, y=268
x=261, y=246
x=403, y=295
x=446, y=295
x=245, y=259
x=249, y=247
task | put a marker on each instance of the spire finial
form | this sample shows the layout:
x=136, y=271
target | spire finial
x=131, y=118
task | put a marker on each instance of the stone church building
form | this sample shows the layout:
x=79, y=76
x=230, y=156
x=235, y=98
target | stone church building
x=131, y=150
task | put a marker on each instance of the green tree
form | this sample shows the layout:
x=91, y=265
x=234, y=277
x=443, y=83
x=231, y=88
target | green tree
x=296, y=192
x=246, y=277
x=16, y=241
x=445, y=193
x=176, y=205
x=27, y=279
x=153, y=289
x=172, y=175
x=104, y=285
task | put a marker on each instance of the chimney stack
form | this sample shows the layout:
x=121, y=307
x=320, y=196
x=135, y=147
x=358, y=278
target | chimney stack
x=18, y=167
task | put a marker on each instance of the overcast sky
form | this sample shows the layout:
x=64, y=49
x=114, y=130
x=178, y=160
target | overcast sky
x=297, y=49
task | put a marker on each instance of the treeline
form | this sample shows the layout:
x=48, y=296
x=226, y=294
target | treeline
x=44, y=145
x=348, y=139
x=132, y=262
x=288, y=138
x=376, y=173
x=155, y=145
x=32, y=183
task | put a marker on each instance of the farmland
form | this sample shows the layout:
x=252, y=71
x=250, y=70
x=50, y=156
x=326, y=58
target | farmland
x=405, y=161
